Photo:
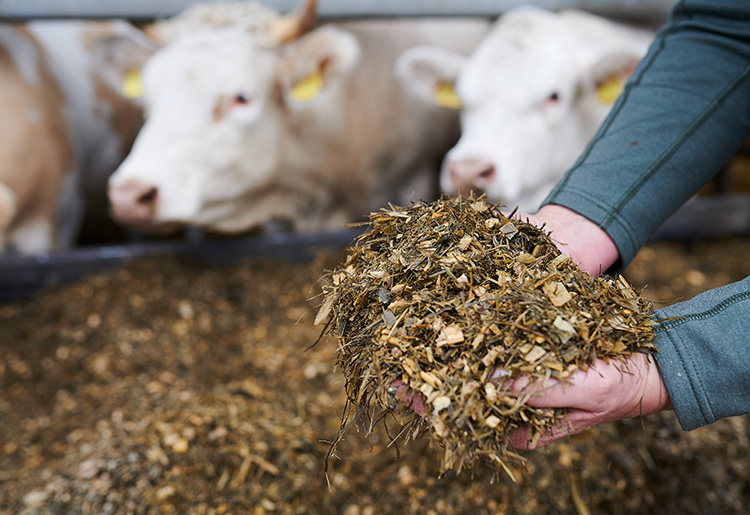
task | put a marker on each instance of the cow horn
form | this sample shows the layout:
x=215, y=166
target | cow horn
x=291, y=26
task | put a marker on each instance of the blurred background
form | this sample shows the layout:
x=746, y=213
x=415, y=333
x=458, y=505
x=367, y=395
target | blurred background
x=177, y=176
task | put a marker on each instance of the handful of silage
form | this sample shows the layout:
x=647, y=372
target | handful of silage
x=442, y=295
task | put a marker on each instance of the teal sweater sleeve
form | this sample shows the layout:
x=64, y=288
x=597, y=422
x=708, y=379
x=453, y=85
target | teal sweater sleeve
x=683, y=113
x=703, y=354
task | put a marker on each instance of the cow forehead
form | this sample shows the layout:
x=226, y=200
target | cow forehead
x=212, y=60
x=517, y=69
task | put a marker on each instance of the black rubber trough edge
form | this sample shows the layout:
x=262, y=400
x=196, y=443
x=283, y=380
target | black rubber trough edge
x=21, y=277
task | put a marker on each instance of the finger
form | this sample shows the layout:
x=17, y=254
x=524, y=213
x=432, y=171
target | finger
x=575, y=422
x=522, y=439
x=411, y=399
x=500, y=377
x=543, y=393
x=575, y=392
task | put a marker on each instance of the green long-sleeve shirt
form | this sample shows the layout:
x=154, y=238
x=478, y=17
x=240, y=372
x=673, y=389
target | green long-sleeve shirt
x=683, y=113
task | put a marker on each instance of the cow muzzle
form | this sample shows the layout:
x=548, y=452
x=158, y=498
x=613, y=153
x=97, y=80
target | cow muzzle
x=134, y=202
x=462, y=176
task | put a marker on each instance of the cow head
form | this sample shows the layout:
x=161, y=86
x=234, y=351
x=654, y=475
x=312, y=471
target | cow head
x=531, y=97
x=227, y=95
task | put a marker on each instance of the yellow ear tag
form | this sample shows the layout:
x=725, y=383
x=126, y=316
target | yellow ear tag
x=131, y=84
x=609, y=90
x=446, y=96
x=308, y=88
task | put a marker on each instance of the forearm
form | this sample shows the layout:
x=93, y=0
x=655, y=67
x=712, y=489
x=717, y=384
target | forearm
x=685, y=110
x=703, y=343
x=703, y=354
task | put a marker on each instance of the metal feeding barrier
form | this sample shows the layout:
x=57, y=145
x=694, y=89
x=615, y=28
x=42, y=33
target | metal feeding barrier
x=647, y=10
x=23, y=276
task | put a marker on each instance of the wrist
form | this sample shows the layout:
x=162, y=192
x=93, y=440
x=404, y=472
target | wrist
x=660, y=393
x=654, y=396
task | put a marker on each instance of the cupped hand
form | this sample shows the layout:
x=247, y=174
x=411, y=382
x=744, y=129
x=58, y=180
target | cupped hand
x=605, y=392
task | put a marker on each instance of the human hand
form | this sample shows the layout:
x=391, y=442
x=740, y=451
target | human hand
x=577, y=237
x=606, y=391
x=603, y=393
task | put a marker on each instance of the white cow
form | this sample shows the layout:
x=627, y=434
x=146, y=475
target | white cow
x=64, y=126
x=252, y=117
x=532, y=95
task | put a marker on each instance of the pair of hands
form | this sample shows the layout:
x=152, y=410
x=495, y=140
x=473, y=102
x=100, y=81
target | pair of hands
x=605, y=392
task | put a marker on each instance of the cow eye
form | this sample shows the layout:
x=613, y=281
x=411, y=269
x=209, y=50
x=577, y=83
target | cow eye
x=241, y=99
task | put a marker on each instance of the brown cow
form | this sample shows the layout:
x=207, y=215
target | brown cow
x=64, y=126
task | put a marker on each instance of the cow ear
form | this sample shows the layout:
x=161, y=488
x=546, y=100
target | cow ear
x=430, y=74
x=312, y=65
x=608, y=75
x=118, y=56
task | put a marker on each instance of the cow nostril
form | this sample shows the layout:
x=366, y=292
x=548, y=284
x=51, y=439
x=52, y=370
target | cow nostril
x=148, y=197
x=134, y=201
x=468, y=174
x=487, y=173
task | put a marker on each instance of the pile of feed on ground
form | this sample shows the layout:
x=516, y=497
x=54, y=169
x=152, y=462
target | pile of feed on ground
x=439, y=297
x=172, y=386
